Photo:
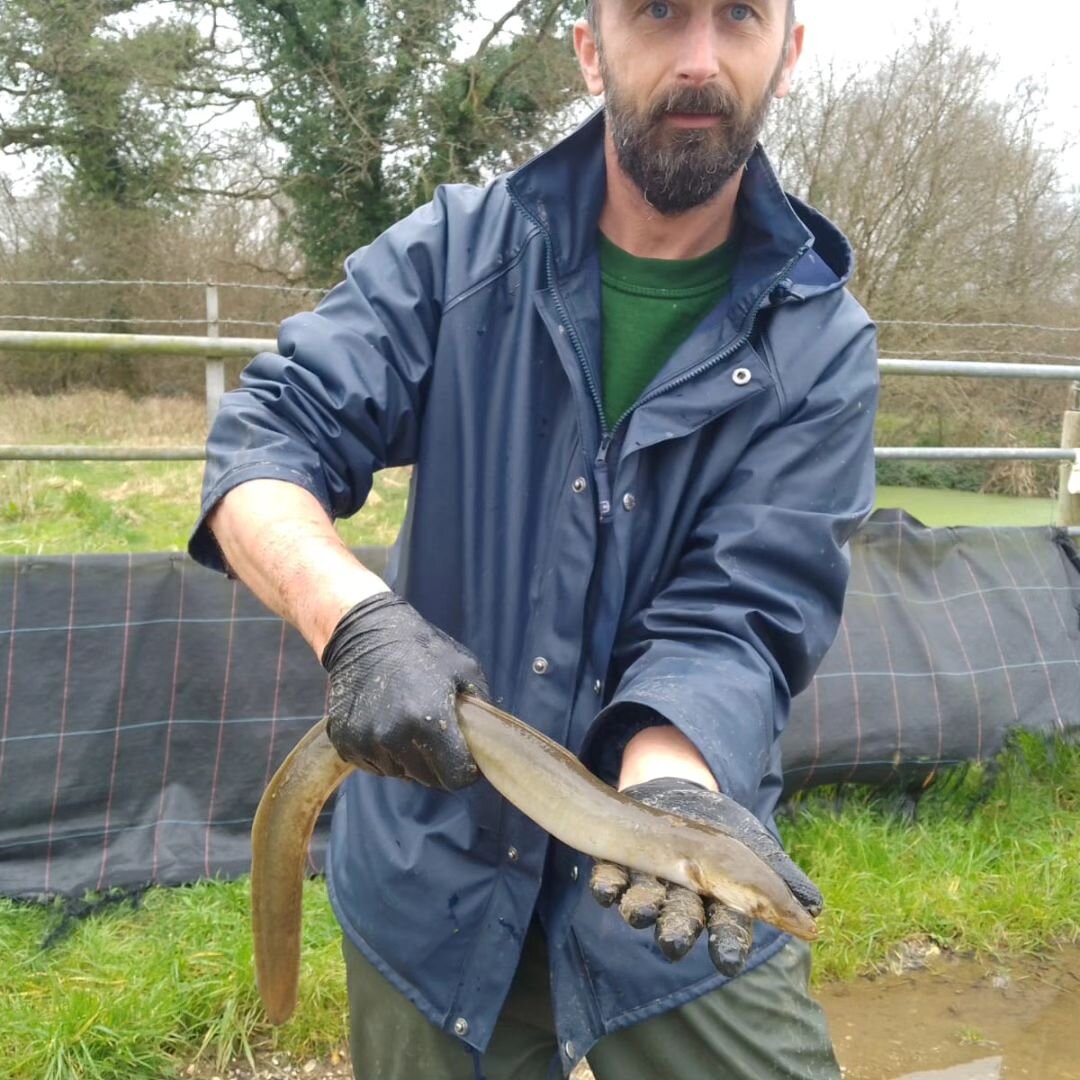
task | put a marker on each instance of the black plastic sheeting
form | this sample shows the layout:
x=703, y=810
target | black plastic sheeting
x=951, y=639
x=145, y=702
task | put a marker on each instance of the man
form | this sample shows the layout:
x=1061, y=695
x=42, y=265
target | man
x=639, y=402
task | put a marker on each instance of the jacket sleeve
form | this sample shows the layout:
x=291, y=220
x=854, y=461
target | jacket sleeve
x=756, y=597
x=343, y=394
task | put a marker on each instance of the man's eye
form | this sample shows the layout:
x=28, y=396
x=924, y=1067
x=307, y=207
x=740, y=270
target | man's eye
x=741, y=12
x=659, y=10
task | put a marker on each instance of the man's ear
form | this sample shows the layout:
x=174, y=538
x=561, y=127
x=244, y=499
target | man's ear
x=791, y=58
x=588, y=54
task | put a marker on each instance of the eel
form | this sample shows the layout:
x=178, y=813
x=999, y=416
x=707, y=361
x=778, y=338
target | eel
x=545, y=782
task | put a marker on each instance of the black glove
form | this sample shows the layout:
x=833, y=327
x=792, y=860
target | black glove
x=394, y=680
x=679, y=914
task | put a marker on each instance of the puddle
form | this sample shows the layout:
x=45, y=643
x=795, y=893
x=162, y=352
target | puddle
x=1025, y=1012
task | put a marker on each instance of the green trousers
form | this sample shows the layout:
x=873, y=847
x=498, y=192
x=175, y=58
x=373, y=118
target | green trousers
x=761, y=1026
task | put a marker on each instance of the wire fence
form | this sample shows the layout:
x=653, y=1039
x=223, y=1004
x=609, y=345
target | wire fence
x=155, y=306
x=312, y=290
x=1017, y=354
x=144, y=282
x=1038, y=327
x=91, y=320
x=119, y=303
x=47, y=316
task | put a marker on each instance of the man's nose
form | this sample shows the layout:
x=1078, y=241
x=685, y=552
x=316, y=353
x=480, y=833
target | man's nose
x=697, y=60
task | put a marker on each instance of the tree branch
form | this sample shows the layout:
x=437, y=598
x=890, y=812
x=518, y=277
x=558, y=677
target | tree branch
x=215, y=90
x=497, y=27
x=29, y=136
x=252, y=194
x=272, y=271
x=541, y=32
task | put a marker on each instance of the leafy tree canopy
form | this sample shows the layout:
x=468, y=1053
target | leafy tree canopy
x=101, y=87
x=376, y=103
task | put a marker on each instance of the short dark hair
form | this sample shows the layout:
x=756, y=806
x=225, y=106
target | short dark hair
x=592, y=8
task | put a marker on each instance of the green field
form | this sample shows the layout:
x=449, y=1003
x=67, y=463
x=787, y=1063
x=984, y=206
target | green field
x=63, y=508
x=49, y=508
x=60, y=508
x=941, y=508
x=53, y=508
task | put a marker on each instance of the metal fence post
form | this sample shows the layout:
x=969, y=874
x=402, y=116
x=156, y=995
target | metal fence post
x=1068, y=509
x=215, y=364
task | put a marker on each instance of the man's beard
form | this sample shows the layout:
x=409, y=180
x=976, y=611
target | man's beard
x=677, y=169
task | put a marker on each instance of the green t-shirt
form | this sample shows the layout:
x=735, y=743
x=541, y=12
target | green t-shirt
x=650, y=307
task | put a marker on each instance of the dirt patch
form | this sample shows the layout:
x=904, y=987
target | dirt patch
x=952, y=1011
x=276, y=1066
x=282, y=1067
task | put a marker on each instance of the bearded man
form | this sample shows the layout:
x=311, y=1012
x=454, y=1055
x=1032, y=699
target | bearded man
x=639, y=402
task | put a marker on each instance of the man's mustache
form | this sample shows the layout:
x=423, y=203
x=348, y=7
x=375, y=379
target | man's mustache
x=699, y=101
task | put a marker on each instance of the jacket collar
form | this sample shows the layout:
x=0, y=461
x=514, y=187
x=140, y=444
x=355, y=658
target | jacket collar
x=563, y=189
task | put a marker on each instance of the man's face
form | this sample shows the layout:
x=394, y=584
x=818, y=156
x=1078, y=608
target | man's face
x=687, y=86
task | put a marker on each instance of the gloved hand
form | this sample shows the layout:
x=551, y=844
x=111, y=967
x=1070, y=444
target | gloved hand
x=679, y=914
x=394, y=679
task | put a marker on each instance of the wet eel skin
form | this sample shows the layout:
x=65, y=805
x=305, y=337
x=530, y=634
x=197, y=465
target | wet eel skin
x=543, y=780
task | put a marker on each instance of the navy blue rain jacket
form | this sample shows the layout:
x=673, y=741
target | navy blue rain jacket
x=690, y=558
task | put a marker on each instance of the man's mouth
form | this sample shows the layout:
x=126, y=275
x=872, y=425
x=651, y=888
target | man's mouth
x=692, y=120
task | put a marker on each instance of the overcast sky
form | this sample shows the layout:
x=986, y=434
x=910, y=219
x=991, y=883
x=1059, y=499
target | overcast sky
x=1035, y=38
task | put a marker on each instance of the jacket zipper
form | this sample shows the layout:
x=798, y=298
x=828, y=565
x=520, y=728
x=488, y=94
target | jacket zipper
x=601, y=471
x=725, y=353
x=601, y=479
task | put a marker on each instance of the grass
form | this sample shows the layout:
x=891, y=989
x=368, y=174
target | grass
x=56, y=508
x=132, y=994
x=939, y=508
x=137, y=993
x=60, y=508
x=988, y=867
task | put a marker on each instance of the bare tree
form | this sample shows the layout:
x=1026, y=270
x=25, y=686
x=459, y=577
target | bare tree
x=958, y=216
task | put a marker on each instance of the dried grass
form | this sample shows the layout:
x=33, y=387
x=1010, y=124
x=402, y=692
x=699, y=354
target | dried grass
x=100, y=417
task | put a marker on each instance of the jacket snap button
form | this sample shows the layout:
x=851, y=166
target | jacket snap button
x=461, y=1026
x=569, y=1048
x=540, y=665
x=512, y=854
x=573, y=877
x=598, y=687
x=741, y=376
x=579, y=485
x=628, y=501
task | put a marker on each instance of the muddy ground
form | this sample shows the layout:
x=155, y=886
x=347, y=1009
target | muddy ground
x=932, y=1011
x=282, y=1067
x=944, y=1010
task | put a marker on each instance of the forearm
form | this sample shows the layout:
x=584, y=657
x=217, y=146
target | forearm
x=663, y=751
x=280, y=542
